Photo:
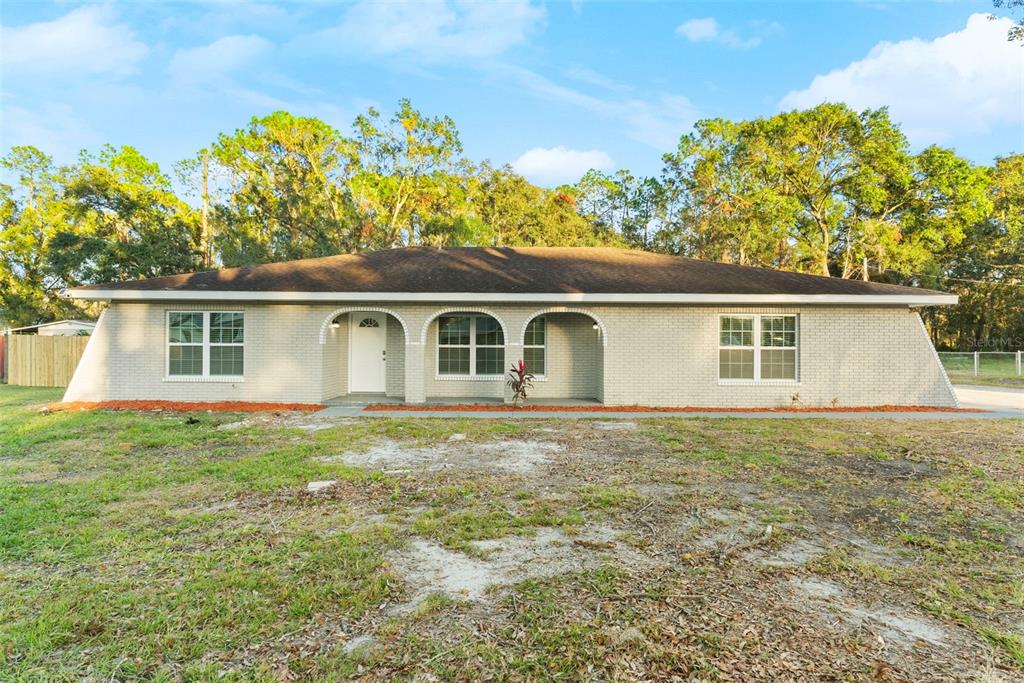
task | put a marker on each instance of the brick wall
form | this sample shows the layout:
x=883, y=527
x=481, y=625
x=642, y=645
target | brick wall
x=651, y=355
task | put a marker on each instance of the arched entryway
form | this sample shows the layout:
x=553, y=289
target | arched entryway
x=564, y=349
x=363, y=355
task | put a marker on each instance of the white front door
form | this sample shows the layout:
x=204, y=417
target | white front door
x=368, y=344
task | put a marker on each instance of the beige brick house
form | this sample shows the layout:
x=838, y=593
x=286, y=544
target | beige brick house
x=418, y=324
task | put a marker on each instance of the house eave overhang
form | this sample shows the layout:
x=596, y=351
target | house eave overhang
x=501, y=297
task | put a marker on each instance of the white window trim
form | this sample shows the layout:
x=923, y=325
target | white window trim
x=544, y=377
x=757, y=347
x=206, y=376
x=472, y=376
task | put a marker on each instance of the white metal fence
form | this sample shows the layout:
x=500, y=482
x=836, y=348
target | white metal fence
x=1005, y=365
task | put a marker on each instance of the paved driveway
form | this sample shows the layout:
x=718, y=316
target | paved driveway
x=1001, y=399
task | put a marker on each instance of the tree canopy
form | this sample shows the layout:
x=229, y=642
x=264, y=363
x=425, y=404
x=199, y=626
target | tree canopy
x=827, y=190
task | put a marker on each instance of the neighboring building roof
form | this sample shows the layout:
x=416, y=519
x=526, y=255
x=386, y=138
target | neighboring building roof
x=91, y=324
x=509, y=274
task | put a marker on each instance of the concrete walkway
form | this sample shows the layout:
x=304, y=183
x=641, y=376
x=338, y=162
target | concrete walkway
x=1000, y=399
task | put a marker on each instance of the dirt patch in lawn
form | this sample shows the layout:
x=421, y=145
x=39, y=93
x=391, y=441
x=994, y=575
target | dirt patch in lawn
x=428, y=568
x=512, y=456
x=745, y=563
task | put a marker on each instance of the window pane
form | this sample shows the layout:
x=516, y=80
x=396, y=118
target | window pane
x=453, y=361
x=490, y=360
x=736, y=364
x=535, y=332
x=737, y=331
x=534, y=359
x=488, y=332
x=185, y=328
x=186, y=360
x=226, y=360
x=453, y=330
x=778, y=330
x=226, y=328
x=778, y=364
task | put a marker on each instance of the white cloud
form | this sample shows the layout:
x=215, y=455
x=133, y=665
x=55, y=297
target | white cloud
x=215, y=61
x=433, y=30
x=708, y=30
x=54, y=128
x=965, y=81
x=87, y=40
x=657, y=120
x=698, y=30
x=591, y=77
x=557, y=165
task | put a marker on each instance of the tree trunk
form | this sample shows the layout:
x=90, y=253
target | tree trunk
x=204, y=230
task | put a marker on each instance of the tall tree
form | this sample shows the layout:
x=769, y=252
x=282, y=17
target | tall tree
x=288, y=195
x=124, y=222
x=31, y=213
x=986, y=270
x=621, y=203
x=199, y=180
x=719, y=198
x=404, y=165
x=518, y=213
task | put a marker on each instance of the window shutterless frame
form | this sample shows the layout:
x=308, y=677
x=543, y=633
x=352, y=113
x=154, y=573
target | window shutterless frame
x=762, y=325
x=535, y=346
x=472, y=345
x=205, y=344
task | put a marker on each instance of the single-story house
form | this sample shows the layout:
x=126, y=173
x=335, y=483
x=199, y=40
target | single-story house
x=419, y=324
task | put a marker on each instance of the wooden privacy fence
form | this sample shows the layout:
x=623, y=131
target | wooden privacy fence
x=35, y=361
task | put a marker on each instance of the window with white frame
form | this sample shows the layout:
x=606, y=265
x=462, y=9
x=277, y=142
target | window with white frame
x=205, y=344
x=535, y=346
x=757, y=347
x=470, y=345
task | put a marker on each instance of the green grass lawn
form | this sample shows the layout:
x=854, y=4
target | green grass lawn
x=993, y=369
x=164, y=546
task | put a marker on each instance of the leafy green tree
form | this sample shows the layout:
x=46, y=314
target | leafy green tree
x=518, y=213
x=986, y=269
x=405, y=167
x=124, y=222
x=619, y=203
x=31, y=213
x=845, y=170
x=287, y=192
x=719, y=199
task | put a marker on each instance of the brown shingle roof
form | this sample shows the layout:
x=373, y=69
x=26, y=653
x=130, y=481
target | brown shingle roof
x=509, y=270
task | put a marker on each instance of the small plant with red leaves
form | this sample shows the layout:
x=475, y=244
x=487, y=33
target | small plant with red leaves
x=520, y=381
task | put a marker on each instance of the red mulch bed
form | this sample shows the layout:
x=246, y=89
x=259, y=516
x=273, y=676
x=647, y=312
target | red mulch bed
x=646, y=409
x=184, y=406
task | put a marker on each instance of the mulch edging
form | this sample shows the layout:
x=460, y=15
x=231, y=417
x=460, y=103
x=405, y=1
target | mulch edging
x=479, y=408
x=255, y=406
x=183, y=406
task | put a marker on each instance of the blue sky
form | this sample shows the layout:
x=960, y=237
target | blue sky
x=552, y=88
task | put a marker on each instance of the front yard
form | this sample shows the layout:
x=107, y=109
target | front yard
x=185, y=546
